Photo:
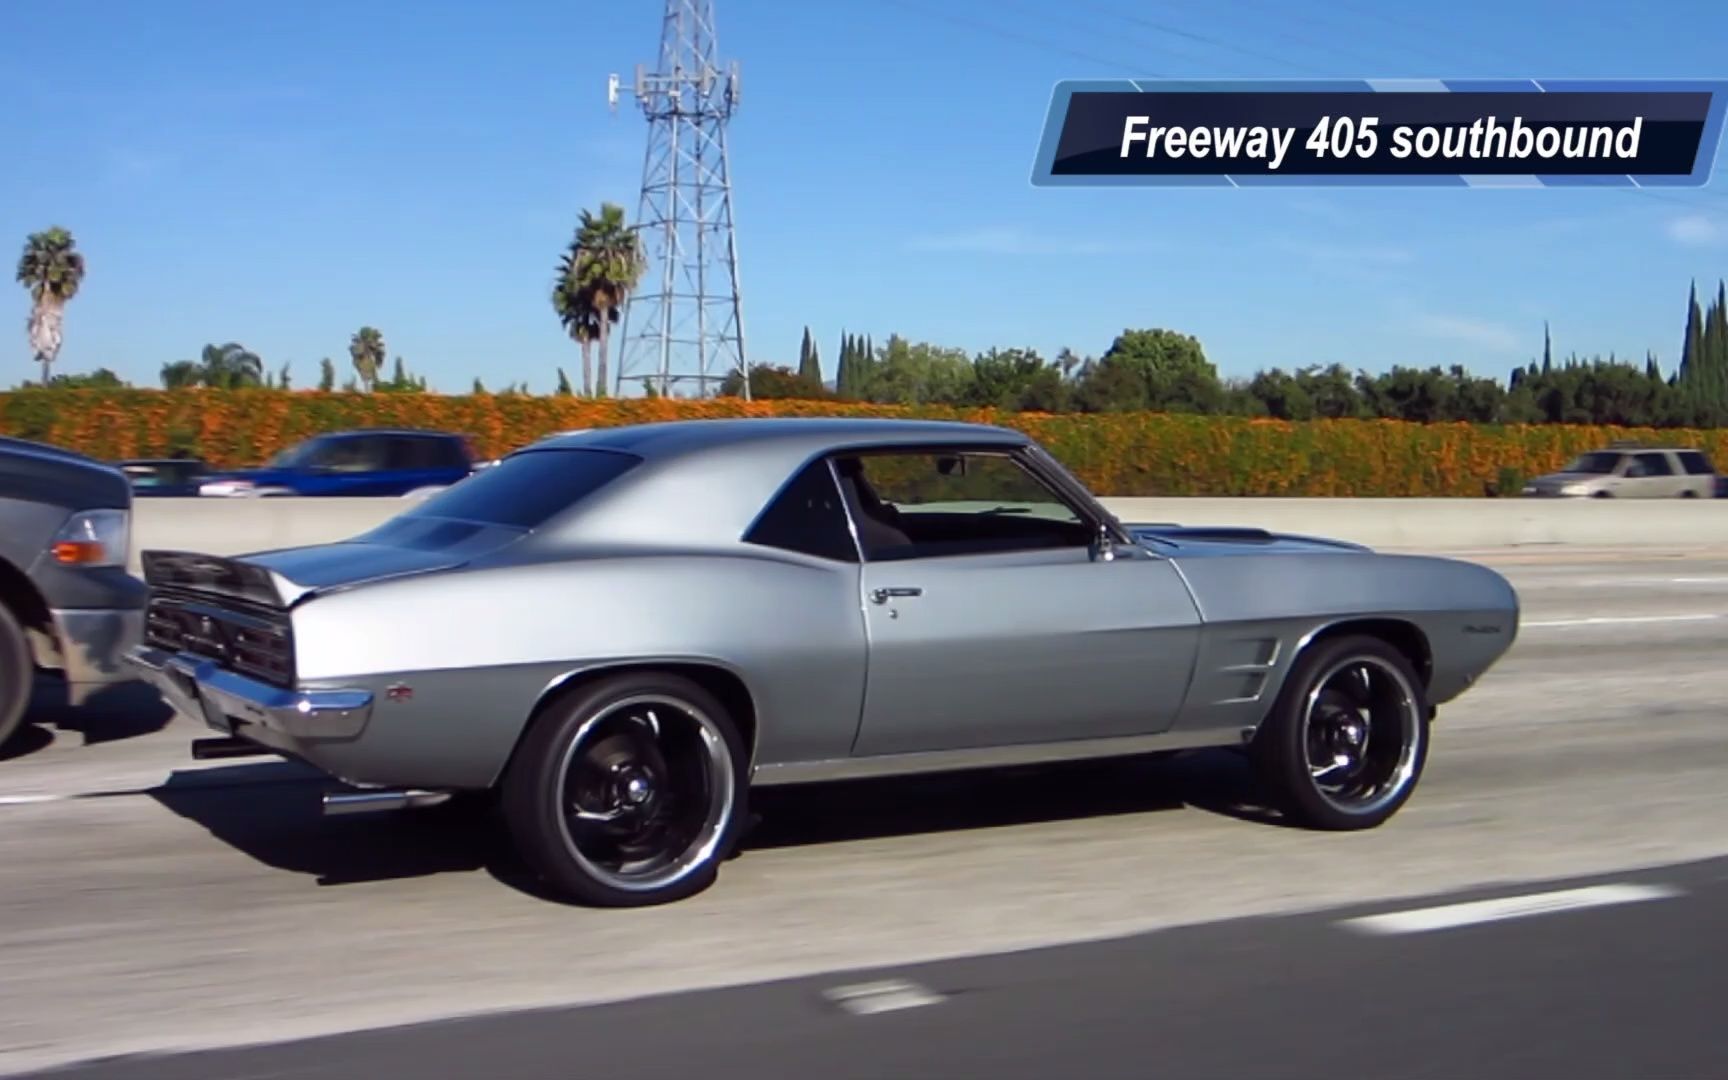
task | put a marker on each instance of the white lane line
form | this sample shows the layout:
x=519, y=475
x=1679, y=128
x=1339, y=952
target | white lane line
x=866, y=999
x=1632, y=582
x=1616, y=620
x=1449, y=916
x=24, y=800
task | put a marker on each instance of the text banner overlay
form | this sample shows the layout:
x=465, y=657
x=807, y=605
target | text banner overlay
x=1453, y=133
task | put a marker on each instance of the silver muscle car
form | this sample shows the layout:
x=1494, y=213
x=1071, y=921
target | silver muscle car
x=618, y=633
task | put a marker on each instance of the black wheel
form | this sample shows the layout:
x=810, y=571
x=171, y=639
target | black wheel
x=17, y=674
x=1347, y=739
x=629, y=792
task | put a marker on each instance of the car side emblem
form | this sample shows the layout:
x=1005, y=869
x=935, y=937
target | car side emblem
x=399, y=692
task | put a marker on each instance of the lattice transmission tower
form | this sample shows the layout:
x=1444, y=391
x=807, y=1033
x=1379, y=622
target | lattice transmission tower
x=685, y=321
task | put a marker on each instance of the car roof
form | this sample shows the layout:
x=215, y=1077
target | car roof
x=707, y=480
x=53, y=474
x=800, y=437
x=45, y=451
x=355, y=433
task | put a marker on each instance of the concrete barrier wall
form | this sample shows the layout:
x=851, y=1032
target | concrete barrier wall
x=236, y=526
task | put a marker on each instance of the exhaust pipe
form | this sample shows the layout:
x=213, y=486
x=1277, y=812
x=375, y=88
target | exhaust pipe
x=212, y=749
x=365, y=802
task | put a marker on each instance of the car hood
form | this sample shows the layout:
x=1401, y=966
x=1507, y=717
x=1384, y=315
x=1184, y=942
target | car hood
x=285, y=576
x=1207, y=540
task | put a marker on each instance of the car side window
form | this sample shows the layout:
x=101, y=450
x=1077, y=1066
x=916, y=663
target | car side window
x=358, y=454
x=807, y=516
x=1696, y=463
x=920, y=504
x=417, y=452
x=1651, y=465
x=449, y=453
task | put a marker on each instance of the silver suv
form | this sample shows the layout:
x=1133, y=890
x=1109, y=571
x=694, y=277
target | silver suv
x=1644, y=472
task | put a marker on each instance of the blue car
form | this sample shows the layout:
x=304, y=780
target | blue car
x=369, y=462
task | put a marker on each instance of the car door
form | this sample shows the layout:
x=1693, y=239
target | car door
x=1656, y=476
x=1700, y=473
x=990, y=618
x=353, y=466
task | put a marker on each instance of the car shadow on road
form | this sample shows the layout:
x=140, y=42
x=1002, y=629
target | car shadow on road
x=271, y=812
x=1212, y=781
x=117, y=711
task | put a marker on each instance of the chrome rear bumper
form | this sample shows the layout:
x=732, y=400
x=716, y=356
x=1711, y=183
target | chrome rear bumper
x=224, y=700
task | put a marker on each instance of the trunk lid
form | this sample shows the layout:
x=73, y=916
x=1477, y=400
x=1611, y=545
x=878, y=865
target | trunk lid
x=286, y=576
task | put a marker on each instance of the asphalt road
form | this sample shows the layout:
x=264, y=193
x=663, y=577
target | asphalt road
x=1611, y=978
x=151, y=903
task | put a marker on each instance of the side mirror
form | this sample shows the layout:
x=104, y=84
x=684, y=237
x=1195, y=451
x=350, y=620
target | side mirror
x=1103, y=547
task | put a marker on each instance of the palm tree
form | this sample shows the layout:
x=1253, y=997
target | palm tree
x=367, y=349
x=52, y=271
x=576, y=311
x=220, y=367
x=231, y=366
x=609, y=263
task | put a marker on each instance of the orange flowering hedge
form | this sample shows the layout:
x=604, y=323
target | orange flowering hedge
x=1116, y=453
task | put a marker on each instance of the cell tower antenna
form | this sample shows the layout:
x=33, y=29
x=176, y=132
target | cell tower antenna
x=685, y=320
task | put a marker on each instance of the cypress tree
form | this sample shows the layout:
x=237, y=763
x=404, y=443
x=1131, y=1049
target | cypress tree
x=843, y=373
x=865, y=362
x=1692, y=348
x=808, y=366
x=1707, y=382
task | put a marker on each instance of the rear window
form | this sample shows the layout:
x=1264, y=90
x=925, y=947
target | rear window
x=527, y=488
x=1696, y=463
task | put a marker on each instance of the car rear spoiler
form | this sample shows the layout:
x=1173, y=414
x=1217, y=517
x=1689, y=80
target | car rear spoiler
x=220, y=576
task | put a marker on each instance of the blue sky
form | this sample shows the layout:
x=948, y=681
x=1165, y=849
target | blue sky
x=281, y=174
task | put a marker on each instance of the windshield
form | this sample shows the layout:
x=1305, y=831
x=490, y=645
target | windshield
x=1600, y=463
x=527, y=488
x=299, y=454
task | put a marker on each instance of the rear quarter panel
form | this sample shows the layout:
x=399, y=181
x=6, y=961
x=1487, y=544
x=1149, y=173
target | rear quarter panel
x=480, y=647
x=1260, y=610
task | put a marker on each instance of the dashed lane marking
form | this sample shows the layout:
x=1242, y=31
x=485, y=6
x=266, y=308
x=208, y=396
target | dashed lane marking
x=1451, y=916
x=1617, y=620
x=866, y=999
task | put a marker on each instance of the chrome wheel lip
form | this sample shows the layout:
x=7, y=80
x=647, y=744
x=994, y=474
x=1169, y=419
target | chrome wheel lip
x=1409, y=727
x=722, y=775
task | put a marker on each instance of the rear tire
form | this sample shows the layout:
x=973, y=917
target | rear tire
x=1347, y=740
x=629, y=792
x=17, y=675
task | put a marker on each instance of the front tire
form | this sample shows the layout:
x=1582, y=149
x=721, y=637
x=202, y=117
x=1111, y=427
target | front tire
x=629, y=792
x=1347, y=740
x=17, y=674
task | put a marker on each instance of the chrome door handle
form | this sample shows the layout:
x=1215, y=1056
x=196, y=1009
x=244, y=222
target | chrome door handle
x=881, y=596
